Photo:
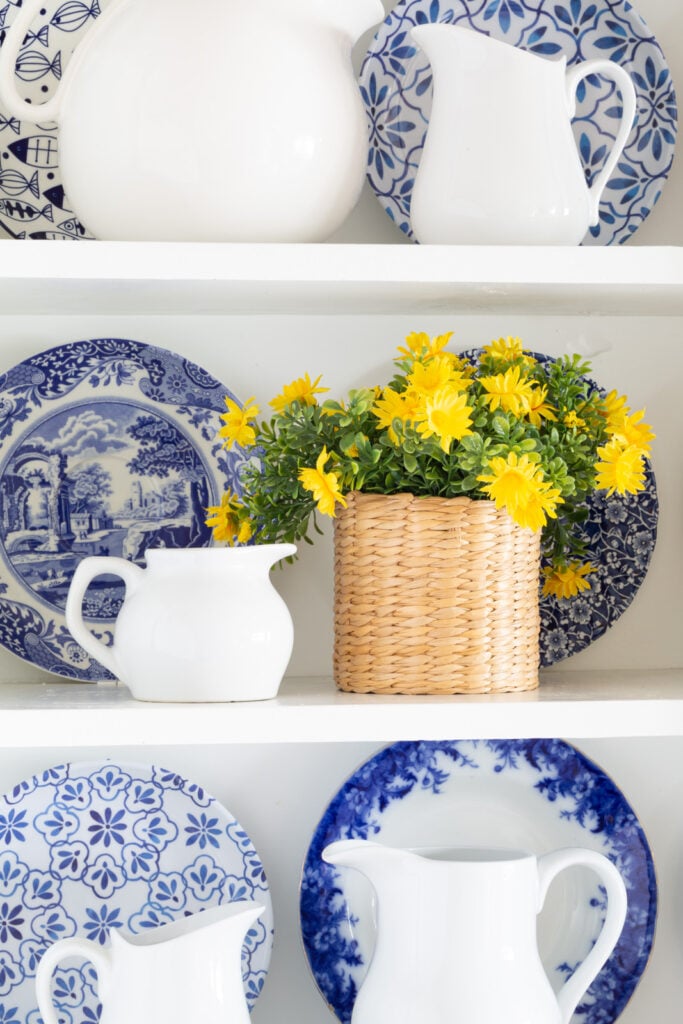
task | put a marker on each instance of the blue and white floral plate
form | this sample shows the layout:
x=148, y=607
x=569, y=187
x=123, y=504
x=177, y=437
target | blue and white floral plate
x=88, y=847
x=107, y=446
x=535, y=795
x=397, y=91
x=620, y=533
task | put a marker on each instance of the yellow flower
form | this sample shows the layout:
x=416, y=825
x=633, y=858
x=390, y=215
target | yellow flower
x=517, y=485
x=447, y=415
x=238, y=428
x=324, y=486
x=406, y=407
x=573, y=420
x=508, y=349
x=300, y=390
x=540, y=506
x=620, y=469
x=426, y=378
x=421, y=346
x=509, y=390
x=566, y=583
x=629, y=431
x=614, y=407
x=538, y=407
x=229, y=520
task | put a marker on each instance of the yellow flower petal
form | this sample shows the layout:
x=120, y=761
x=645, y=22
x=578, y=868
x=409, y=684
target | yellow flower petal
x=238, y=419
x=446, y=415
x=620, y=469
x=300, y=390
x=324, y=486
x=510, y=391
x=566, y=582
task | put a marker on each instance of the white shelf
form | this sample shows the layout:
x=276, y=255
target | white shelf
x=186, y=278
x=571, y=704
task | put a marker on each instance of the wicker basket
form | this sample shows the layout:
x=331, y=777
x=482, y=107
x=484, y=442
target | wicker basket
x=434, y=595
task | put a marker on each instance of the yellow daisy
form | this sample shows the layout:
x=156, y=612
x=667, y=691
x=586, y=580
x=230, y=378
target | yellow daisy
x=300, y=390
x=405, y=407
x=511, y=481
x=229, y=520
x=507, y=349
x=573, y=420
x=614, y=407
x=541, y=505
x=324, y=486
x=567, y=582
x=539, y=409
x=620, y=469
x=428, y=377
x=629, y=431
x=446, y=415
x=421, y=346
x=510, y=391
x=238, y=420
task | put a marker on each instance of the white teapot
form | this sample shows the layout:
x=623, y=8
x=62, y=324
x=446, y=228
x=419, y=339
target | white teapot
x=219, y=120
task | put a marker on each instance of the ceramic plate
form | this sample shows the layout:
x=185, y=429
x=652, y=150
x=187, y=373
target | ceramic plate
x=535, y=795
x=620, y=532
x=88, y=847
x=397, y=89
x=108, y=447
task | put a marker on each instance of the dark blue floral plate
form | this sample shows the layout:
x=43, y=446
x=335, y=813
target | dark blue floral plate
x=107, y=447
x=396, y=86
x=88, y=847
x=534, y=795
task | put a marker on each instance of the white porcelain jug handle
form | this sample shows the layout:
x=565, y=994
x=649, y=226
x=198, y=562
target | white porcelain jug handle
x=548, y=867
x=99, y=957
x=86, y=571
x=9, y=94
x=609, y=69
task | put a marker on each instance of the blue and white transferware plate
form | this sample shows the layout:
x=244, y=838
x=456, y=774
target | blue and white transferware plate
x=534, y=795
x=620, y=533
x=32, y=199
x=89, y=847
x=396, y=87
x=107, y=447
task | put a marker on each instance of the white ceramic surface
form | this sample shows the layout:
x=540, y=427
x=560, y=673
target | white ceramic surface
x=198, y=624
x=500, y=165
x=188, y=970
x=237, y=123
x=475, y=911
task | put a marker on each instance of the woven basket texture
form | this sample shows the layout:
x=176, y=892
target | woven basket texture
x=434, y=595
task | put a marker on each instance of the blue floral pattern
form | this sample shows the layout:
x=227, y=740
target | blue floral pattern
x=620, y=533
x=465, y=791
x=107, y=446
x=125, y=859
x=396, y=87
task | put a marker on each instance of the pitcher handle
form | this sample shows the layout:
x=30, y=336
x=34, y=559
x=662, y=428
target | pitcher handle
x=86, y=571
x=623, y=80
x=9, y=94
x=100, y=958
x=549, y=866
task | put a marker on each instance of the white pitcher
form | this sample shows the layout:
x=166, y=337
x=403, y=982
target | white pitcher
x=198, y=624
x=456, y=936
x=215, y=120
x=188, y=970
x=500, y=164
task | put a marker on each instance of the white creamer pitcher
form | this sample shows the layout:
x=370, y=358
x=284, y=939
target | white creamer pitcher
x=188, y=970
x=198, y=624
x=217, y=120
x=500, y=163
x=456, y=934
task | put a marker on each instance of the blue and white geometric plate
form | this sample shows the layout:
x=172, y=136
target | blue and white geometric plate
x=88, y=847
x=32, y=199
x=620, y=533
x=396, y=87
x=534, y=795
x=107, y=446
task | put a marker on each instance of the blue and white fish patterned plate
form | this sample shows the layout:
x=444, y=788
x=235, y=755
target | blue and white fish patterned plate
x=396, y=87
x=620, y=533
x=534, y=795
x=87, y=847
x=32, y=199
x=107, y=447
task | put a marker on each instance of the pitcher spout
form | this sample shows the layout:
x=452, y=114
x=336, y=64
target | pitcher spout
x=365, y=856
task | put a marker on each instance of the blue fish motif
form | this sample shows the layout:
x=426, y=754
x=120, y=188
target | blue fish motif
x=24, y=211
x=32, y=65
x=41, y=36
x=56, y=197
x=3, y=15
x=51, y=236
x=73, y=227
x=36, y=150
x=73, y=14
x=13, y=183
x=13, y=123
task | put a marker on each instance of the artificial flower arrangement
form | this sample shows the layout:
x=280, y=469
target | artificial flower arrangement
x=534, y=435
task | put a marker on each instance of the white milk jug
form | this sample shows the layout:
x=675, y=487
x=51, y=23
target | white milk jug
x=500, y=164
x=217, y=120
x=456, y=935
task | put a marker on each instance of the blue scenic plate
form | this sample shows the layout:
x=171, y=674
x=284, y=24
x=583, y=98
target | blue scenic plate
x=88, y=847
x=620, y=532
x=534, y=795
x=107, y=447
x=396, y=88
